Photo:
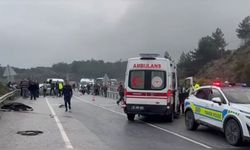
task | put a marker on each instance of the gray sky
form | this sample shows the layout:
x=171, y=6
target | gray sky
x=43, y=32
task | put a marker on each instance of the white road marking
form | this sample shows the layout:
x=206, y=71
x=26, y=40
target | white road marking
x=149, y=124
x=176, y=134
x=119, y=113
x=108, y=105
x=61, y=129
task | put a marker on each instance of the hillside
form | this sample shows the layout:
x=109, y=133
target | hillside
x=234, y=67
x=75, y=70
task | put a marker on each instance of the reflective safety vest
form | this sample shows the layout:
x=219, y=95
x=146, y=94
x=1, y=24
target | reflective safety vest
x=60, y=86
x=196, y=86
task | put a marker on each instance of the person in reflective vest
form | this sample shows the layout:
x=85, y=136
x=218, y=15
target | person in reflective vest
x=60, y=88
x=196, y=86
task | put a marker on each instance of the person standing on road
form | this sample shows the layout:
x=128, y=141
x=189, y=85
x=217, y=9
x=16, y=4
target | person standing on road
x=60, y=88
x=57, y=88
x=44, y=89
x=32, y=89
x=37, y=89
x=121, y=93
x=67, y=93
x=105, y=89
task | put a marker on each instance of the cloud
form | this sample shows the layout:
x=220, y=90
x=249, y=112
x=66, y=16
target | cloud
x=40, y=33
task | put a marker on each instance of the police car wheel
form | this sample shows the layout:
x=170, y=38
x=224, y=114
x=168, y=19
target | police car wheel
x=233, y=132
x=131, y=117
x=190, y=122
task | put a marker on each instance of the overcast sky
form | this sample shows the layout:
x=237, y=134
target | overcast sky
x=43, y=32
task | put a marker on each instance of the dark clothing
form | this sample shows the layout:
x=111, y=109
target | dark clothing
x=121, y=94
x=33, y=94
x=121, y=91
x=33, y=89
x=105, y=89
x=67, y=101
x=67, y=93
x=52, y=89
x=37, y=89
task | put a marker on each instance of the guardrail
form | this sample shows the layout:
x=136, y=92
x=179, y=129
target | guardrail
x=8, y=96
x=113, y=95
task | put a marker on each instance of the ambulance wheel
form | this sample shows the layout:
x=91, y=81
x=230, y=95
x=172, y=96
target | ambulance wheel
x=233, y=132
x=170, y=117
x=131, y=117
x=190, y=122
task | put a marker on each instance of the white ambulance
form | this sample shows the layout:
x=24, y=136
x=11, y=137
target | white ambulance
x=150, y=87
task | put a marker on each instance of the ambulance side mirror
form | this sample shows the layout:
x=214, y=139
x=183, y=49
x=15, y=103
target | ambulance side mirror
x=217, y=100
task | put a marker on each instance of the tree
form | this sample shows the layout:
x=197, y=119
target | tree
x=166, y=55
x=206, y=51
x=219, y=42
x=243, y=31
x=185, y=66
x=61, y=67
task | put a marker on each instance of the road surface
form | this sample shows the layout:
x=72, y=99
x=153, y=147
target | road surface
x=99, y=125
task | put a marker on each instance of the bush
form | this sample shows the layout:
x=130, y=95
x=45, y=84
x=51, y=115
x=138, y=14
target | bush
x=3, y=89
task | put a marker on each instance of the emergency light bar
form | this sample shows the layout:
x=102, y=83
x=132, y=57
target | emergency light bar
x=149, y=55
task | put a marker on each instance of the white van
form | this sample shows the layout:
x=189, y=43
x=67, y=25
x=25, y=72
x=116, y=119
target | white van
x=54, y=80
x=150, y=87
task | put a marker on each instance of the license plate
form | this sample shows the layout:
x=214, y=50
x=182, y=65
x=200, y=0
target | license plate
x=137, y=107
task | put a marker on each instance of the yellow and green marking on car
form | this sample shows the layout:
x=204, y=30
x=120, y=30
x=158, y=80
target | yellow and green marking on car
x=210, y=113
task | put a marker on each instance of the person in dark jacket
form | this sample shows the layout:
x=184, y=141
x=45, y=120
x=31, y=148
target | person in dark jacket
x=105, y=90
x=67, y=93
x=32, y=88
x=121, y=93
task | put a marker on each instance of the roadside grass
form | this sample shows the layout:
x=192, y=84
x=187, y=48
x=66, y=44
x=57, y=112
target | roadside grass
x=3, y=89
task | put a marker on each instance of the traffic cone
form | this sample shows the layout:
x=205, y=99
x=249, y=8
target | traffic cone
x=93, y=98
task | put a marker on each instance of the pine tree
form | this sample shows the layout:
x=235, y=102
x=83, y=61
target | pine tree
x=243, y=31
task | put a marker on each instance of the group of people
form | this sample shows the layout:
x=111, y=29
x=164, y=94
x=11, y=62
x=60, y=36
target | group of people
x=55, y=88
x=29, y=87
x=94, y=89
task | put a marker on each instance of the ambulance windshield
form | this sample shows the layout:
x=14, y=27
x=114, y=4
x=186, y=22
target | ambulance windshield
x=147, y=79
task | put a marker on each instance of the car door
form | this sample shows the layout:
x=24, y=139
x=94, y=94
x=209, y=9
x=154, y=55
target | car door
x=216, y=109
x=201, y=103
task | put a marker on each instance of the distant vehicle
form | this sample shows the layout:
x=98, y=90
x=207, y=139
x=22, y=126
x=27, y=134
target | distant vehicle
x=83, y=85
x=41, y=88
x=99, y=81
x=54, y=80
x=225, y=108
x=151, y=87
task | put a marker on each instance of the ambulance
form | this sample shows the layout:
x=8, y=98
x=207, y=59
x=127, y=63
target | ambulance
x=150, y=87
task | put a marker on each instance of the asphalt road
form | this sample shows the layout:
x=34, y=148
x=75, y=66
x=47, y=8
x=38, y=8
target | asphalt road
x=99, y=125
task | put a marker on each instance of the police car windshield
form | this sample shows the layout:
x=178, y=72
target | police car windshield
x=237, y=95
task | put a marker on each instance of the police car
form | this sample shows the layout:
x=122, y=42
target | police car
x=225, y=108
